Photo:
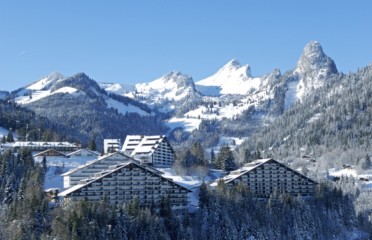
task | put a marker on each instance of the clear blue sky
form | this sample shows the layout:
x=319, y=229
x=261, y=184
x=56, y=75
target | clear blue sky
x=138, y=41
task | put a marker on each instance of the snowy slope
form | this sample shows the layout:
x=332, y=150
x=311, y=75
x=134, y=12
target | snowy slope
x=366, y=175
x=187, y=124
x=56, y=83
x=117, y=88
x=58, y=165
x=40, y=94
x=174, y=86
x=123, y=109
x=230, y=79
x=44, y=82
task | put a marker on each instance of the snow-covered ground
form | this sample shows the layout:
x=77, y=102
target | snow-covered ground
x=4, y=132
x=232, y=142
x=40, y=94
x=365, y=178
x=57, y=166
x=187, y=124
x=123, y=109
x=117, y=88
x=192, y=183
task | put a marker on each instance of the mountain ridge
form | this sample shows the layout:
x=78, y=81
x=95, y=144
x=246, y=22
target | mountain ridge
x=229, y=97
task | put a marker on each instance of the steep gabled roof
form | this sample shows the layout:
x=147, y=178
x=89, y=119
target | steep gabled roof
x=113, y=169
x=83, y=150
x=253, y=165
x=47, y=152
x=95, y=161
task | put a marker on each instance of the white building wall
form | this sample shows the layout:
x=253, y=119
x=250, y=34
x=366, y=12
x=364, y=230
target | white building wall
x=111, y=145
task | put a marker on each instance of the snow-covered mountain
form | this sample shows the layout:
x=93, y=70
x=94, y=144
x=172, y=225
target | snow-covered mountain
x=173, y=86
x=117, y=88
x=229, y=97
x=311, y=72
x=165, y=93
x=3, y=94
x=78, y=86
x=232, y=90
x=230, y=79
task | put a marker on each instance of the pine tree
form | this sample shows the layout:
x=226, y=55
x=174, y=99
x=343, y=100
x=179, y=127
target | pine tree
x=44, y=164
x=203, y=195
x=213, y=157
x=10, y=136
x=92, y=144
x=225, y=159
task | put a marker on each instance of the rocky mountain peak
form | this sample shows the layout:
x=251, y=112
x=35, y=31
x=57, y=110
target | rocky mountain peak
x=55, y=76
x=234, y=66
x=314, y=58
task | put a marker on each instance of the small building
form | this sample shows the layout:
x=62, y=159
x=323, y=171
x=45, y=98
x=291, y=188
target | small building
x=152, y=150
x=111, y=145
x=264, y=176
x=50, y=153
x=83, y=153
x=124, y=182
x=42, y=146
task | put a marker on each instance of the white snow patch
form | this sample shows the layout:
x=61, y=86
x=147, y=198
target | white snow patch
x=117, y=88
x=40, y=84
x=315, y=118
x=188, y=124
x=123, y=109
x=232, y=142
x=65, y=90
x=291, y=95
x=35, y=96
x=39, y=94
x=343, y=172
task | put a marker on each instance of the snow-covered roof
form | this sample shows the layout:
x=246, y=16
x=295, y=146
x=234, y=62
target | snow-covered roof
x=249, y=167
x=85, y=182
x=142, y=145
x=113, y=169
x=83, y=150
x=246, y=168
x=55, y=153
x=43, y=144
x=92, y=162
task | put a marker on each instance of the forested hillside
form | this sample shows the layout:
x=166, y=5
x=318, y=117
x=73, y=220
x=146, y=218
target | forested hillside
x=26, y=122
x=333, y=125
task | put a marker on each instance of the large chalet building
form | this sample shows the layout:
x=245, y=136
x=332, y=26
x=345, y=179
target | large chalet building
x=152, y=150
x=120, y=179
x=264, y=176
x=73, y=177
